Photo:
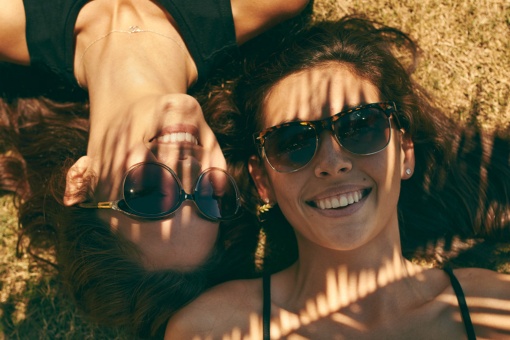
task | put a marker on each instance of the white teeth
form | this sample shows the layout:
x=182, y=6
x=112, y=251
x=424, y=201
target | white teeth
x=342, y=200
x=178, y=137
x=350, y=199
x=328, y=204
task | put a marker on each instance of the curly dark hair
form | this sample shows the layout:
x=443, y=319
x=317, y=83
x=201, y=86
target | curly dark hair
x=43, y=131
x=102, y=272
x=459, y=192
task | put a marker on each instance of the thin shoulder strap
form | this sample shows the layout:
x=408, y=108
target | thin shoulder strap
x=266, y=307
x=464, y=310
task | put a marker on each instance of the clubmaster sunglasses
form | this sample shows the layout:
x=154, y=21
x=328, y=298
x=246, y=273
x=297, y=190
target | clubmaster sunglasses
x=153, y=191
x=362, y=130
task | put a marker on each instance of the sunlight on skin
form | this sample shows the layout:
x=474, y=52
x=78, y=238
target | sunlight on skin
x=178, y=242
x=474, y=303
x=489, y=320
x=344, y=319
x=199, y=338
x=236, y=334
x=489, y=303
x=343, y=290
x=135, y=232
x=255, y=327
x=288, y=321
x=165, y=232
x=311, y=311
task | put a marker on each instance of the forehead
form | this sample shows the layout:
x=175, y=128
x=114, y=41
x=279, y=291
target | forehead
x=316, y=93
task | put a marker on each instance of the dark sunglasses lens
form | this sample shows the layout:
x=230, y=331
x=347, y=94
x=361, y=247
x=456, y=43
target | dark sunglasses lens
x=363, y=132
x=216, y=195
x=151, y=190
x=290, y=147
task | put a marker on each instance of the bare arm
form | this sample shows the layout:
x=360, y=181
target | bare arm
x=230, y=310
x=13, y=44
x=253, y=17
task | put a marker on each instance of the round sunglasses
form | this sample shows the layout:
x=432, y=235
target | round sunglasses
x=362, y=130
x=154, y=191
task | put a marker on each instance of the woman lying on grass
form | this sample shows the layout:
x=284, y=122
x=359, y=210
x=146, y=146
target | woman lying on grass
x=129, y=187
x=346, y=146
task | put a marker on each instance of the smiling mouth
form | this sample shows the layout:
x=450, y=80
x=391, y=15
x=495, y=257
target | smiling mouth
x=177, y=137
x=340, y=201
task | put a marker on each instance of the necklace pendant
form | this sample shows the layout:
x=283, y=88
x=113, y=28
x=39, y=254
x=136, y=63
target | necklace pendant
x=134, y=29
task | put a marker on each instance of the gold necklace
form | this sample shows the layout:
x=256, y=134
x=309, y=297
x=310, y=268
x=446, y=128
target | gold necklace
x=132, y=30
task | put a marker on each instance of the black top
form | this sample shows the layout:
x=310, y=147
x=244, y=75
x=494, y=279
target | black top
x=468, y=325
x=207, y=27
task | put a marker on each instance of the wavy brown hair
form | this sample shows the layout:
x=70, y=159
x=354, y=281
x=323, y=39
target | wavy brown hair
x=459, y=193
x=103, y=272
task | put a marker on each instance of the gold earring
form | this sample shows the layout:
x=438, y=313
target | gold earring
x=264, y=208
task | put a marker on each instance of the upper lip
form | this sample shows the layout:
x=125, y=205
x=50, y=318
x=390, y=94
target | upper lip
x=336, y=191
x=339, y=197
x=177, y=133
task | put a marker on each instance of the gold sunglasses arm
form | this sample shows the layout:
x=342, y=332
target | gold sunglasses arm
x=99, y=205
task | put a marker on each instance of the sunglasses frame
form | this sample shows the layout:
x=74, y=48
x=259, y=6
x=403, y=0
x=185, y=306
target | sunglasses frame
x=183, y=196
x=389, y=108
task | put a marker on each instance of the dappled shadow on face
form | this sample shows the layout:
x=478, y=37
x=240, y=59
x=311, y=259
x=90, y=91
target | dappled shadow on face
x=183, y=237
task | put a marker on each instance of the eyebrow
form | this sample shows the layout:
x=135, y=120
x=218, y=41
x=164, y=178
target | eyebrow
x=346, y=107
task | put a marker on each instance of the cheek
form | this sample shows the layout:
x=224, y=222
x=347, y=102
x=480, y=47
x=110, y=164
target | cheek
x=285, y=190
x=386, y=170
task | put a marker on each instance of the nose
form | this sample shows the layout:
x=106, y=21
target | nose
x=187, y=170
x=331, y=159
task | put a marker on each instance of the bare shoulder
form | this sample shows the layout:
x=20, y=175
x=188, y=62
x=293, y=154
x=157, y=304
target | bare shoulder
x=253, y=17
x=13, y=46
x=484, y=282
x=218, y=311
x=488, y=298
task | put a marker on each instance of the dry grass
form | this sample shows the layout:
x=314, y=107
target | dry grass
x=465, y=49
x=30, y=304
x=465, y=65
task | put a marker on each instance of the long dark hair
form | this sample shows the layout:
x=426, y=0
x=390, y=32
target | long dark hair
x=460, y=188
x=40, y=138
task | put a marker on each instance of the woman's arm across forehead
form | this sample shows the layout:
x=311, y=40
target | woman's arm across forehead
x=253, y=17
x=13, y=45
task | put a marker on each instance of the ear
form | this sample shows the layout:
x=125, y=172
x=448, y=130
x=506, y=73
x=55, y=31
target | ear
x=77, y=180
x=407, y=154
x=259, y=175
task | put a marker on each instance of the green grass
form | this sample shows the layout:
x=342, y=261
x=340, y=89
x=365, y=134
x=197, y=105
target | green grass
x=465, y=64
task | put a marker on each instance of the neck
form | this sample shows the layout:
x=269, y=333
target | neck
x=123, y=47
x=337, y=279
x=125, y=68
x=125, y=63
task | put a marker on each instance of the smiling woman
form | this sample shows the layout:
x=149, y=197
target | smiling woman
x=345, y=150
x=138, y=136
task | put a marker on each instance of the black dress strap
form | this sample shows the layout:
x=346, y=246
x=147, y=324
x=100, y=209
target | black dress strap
x=266, y=307
x=464, y=310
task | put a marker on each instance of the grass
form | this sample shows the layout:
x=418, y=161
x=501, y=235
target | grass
x=465, y=62
x=31, y=306
x=465, y=49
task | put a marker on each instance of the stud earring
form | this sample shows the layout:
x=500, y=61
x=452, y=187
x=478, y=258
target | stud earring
x=408, y=172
